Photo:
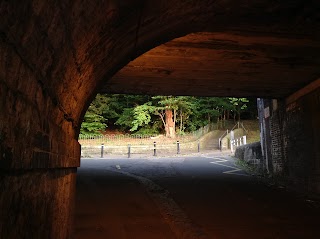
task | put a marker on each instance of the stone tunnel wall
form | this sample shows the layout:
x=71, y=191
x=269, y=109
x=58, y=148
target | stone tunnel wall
x=290, y=141
x=38, y=154
x=55, y=55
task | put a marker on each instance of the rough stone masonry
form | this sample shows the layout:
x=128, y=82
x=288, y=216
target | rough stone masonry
x=56, y=55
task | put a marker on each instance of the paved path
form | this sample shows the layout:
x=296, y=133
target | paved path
x=201, y=196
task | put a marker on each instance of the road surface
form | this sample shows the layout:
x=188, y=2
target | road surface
x=201, y=196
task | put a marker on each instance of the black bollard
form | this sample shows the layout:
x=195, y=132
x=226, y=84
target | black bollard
x=154, y=148
x=102, y=149
x=178, y=147
x=129, y=150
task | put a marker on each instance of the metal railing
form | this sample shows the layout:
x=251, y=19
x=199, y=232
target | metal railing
x=152, y=149
x=95, y=146
x=204, y=130
x=123, y=140
x=239, y=124
x=234, y=143
x=136, y=139
x=220, y=139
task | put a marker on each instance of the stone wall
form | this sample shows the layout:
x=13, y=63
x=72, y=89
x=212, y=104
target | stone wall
x=56, y=55
x=251, y=153
x=39, y=152
x=291, y=139
x=37, y=203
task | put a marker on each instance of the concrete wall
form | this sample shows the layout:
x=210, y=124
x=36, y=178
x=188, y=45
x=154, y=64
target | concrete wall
x=290, y=140
x=250, y=153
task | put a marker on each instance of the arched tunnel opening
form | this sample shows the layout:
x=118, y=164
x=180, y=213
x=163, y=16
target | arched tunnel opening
x=168, y=193
x=194, y=194
x=56, y=56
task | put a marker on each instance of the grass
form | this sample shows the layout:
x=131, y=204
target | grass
x=246, y=166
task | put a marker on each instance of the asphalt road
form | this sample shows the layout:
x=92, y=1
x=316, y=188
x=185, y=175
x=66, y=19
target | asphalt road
x=202, y=196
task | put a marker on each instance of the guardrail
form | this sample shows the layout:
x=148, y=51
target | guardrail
x=137, y=139
x=239, y=124
x=153, y=149
x=234, y=142
x=237, y=142
x=220, y=139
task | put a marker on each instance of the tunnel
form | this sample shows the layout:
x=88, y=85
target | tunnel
x=57, y=55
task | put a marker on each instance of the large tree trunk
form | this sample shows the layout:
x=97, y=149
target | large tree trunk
x=170, y=124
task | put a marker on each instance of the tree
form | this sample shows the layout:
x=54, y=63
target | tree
x=93, y=122
x=125, y=119
x=150, y=115
x=185, y=104
x=166, y=109
x=142, y=115
x=208, y=109
x=137, y=118
x=121, y=106
x=238, y=105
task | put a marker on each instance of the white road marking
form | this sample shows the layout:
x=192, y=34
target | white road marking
x=234, y=169
x=234, y=172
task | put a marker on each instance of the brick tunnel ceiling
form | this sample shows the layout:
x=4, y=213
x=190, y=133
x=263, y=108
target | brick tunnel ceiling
x=222, y=64
x=64, y=52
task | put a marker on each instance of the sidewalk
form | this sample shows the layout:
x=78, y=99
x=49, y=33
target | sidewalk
x=116, y=208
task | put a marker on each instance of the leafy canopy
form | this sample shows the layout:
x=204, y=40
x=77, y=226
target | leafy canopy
x=145, y=114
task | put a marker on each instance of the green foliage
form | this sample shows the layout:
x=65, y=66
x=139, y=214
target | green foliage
x=166, y=102
x=148, y=130
x=238, y=105
x=208, y=109
x=94, y=122
x=146, y=115
x=119, y=109
x=125, y=119
x=141, y=115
